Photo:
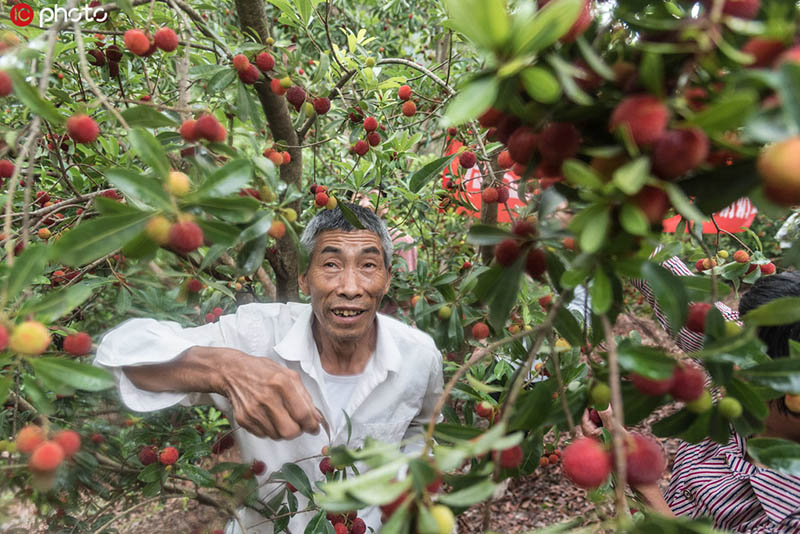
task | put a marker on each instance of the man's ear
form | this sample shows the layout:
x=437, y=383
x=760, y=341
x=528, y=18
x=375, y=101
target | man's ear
x=388, y=281
x=302, y=282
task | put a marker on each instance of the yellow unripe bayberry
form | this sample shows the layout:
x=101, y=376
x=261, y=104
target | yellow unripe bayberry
x=178, y=184
x=723, y=254
x=370, y=62
x=31, y=338
x=444, y=519
x=286, y=82
x=157, y=229
x=444, y=313
x=332, y=203
x=44, y=233
x=290, y=215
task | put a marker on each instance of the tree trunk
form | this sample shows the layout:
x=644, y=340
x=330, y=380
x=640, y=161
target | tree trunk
x=253, y=20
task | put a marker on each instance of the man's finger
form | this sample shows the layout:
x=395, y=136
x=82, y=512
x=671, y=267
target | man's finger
x=300, y=407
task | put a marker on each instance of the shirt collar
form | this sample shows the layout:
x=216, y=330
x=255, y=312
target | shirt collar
x=298, y=344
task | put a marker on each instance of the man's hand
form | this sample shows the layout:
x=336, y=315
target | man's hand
x=268, y=399
x=590, y=428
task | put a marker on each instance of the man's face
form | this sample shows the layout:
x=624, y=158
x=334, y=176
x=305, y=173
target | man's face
x=346, y=281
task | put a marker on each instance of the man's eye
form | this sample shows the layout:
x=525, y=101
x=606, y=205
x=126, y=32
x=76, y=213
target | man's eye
x=329, y=264
x=370, y=264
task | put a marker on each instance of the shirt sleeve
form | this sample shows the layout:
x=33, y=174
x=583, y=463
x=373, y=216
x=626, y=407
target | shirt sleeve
x=687, y=340
x=148, y=341
x=415, y=434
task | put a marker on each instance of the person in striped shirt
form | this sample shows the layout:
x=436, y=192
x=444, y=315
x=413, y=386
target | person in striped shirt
x=720, y=481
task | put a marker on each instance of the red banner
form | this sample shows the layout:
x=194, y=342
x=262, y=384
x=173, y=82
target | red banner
x=731, y=219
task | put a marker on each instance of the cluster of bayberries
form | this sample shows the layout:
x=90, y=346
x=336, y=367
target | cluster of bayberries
x=373, y=138
x=509, y=250
x=348, y=523
x=323, y=198
x=550, y=458
x=587, y=462
x=46, y=454
x=740, y=256
x=150, y=454
x=31, y=338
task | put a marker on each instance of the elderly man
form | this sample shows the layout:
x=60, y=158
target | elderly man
x=280, y=371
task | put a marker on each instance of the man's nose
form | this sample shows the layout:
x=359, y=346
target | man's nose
x=349, y=286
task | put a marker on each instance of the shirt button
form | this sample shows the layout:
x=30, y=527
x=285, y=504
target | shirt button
x=687, y=494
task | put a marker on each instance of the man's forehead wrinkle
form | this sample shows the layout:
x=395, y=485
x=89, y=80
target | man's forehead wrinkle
x=335, y=241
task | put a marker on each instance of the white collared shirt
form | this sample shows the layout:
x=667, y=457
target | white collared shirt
x=393, y=401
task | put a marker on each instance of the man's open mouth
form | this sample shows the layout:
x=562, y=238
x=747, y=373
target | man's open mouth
x=341, y=312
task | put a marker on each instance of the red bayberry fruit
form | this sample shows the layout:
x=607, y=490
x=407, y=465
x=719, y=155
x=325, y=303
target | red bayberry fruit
x=654, y=202
x=188, y=131
x=484, y=409
x=557, y=142
x=276, y=87
x=374, y=138
x=6, y=168
x=644, y=115
x=361, y=147
x=185, y=236
x=240, y=62
x=778, y=166
x=767, y=268
x=489, y=195
x=490, y=117
x=586, y=463
x=166, y=39
x=321, y=199
x=404, y=92
x=70, y=442
x=696, y=321
x=644, y=459
x=6, y=86
x=370, y=124
x=47, y=457
x=510, y=458
x=688, y=383
x=678, y=151
x=504, y=160
x=265, y=61
x=28, y=438
x=522, y=144
x=250, y=75
x=506, y=252
x=523, y=228
x=148, y=454
x=168, y=456
x=82, y=128
x=296, y=95
x=322, y=105
x=536, y=263
x=358, y=527
x=258, y=467
x=580, y=25
x=194, y=285
x=480, y=331
x=652, y=387
x=467, y=159
x=325, y=466
x=137, y=42
x=764, y=51
x=409, y=108
x=78, y=344
x=741, y=256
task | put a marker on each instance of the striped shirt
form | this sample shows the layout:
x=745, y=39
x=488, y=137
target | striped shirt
x=717, y=481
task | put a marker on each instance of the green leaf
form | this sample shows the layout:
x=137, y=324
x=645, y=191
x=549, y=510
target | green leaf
x=748, y=396
x=220, y=81
x=51, y=305
x=251, y=256
x=578, y=173
x=594, y=61
x=637, y=405
x=75, y=374
x=632, y=176
x=294, y=475
x=350, y=216
x=593, y=236
x=601, y=292
x=225, y=180
x=484, y=234
x=669, y=293
x=243, y=110
x=789, y=91
x=780, y=311
x=718, y=188
x=471, y=101
x=674, y=424
x=30, y=97
x=727, y=112
x=218, y=232
x=651, y=72
x=147, y=117
x=546, y=26
x=781, y=375
x=138, y=187
x=27, y=266
x=505, y=296
x=380, y=493
x=541, y=84
x=259, y=228
x=97, y=237
x=150, y=151
x=566, y=325
x=682, y=204
x=319, y=524
x=38, y=397
x=470, y=495
x=484, y=22
x=232, y=209
x=633, y=219
x=778, y=454
x=649, y=362
x=5, y=387
x=422, y=176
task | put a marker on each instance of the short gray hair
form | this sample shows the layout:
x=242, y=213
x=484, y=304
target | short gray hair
x=335, y=220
